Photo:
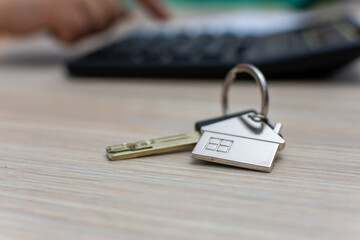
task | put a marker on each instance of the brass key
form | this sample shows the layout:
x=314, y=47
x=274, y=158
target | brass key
x=153, y=146
x=164, y=144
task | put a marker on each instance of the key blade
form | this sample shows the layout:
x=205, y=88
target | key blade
x=135, y=146
x=130, y=146
x=153, y=146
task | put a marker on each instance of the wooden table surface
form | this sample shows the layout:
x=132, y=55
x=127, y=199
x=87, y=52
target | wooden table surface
x=56, y=182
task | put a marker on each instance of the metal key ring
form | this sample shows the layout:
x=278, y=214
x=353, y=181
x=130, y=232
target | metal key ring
x=260, y=80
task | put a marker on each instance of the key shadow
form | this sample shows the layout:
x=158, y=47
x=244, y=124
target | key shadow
x=218, y=165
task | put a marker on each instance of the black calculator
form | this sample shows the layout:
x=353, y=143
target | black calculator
x=310, y=50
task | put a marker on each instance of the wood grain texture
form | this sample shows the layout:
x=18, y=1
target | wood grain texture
x=56, y=183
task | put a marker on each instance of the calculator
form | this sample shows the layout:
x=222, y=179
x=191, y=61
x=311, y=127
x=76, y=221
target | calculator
x=310, y=50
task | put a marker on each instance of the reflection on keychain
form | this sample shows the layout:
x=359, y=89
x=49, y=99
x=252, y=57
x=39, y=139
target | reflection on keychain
x=244, y=139
x=247, y=141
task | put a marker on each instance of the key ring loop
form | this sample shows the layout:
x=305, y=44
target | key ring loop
x=261, y=82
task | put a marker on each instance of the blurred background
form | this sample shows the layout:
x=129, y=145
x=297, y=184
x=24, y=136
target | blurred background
x=245, y=18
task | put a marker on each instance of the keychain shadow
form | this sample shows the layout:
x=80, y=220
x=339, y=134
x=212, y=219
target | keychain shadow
x=198, y=162
x=203, y=163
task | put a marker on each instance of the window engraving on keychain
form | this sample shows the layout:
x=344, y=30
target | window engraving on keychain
x=219, y=145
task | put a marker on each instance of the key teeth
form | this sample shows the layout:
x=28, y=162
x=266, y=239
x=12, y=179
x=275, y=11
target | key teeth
x=114, y=157
x=109, y=156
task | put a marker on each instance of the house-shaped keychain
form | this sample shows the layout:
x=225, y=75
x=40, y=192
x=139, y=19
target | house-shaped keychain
x=240, y=141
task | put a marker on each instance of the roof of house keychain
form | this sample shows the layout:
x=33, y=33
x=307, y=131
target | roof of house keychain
x=247, y=141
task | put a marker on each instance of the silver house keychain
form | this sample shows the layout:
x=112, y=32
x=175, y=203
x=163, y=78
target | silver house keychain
x=247, y=141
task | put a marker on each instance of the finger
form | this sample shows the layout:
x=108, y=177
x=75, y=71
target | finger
x=114, y=7
x=85, y=17
x=95, y=13
x=70, y=23
x=112, y=10
x=69, y=26
x=155, y=7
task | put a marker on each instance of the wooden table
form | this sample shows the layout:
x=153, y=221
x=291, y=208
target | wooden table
x=56, y=182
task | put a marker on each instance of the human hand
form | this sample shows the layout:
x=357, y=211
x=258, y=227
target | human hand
x=69, y=20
